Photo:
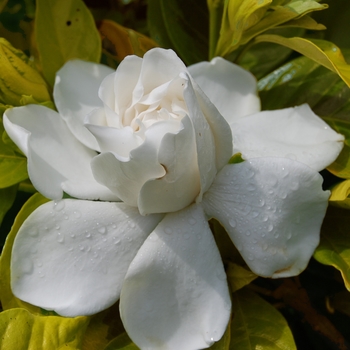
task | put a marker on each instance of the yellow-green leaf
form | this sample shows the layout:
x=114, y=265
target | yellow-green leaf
x=18, y=77
x=323, y=52
x=340, y=195
x=20, y=330
x=65, y=30
x=2, y=4
x=256, y=324
x=238, y=276
x=8, y=300
x=120, y=41
x=334, y=248
x=238, y=16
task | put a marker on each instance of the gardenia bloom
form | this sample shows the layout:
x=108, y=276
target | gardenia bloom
x=145, y=151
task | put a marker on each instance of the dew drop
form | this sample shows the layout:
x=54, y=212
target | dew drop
x=33, y=233
x=88, y=235
x=265, y=218
x=250, y=257
x=168, y=230
x=232, y=223
x=114, y=226
x=132, y=224
x=251, y=188
x=248, y=233
x=289, y=235
x=82, y=248
x=255, y=214
x=66, y=217
x=192, y=221
x=102, y=230
x=264, y=247
x=276, y=235
x=294, y=185
x=270, y=228
x=72, y=235
x=77, y=214
x=261, y=202
x=59, y=205
x=60, y=237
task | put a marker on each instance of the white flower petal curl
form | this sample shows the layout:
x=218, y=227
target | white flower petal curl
x=71, y=256
x=52, y=166
x=76, y=95
x=232, y=89
x=272, y=208
x=295, y=133
x=175, y=294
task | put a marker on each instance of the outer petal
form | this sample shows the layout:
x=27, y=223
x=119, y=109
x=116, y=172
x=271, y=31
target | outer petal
x=76, y=95
x=295, y=133
x=71, y=256
x=272, y=209
x=232, y=89
x=175, y=294
x=53, y=168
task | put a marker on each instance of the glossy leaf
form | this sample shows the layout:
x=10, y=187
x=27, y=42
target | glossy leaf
x=256, y=324
x=65, y=30
x=120, y=41
x=20, y=330
x=321, y=51
x=341, y=194
x=8, y=300
x=334, y=248
x=13, y=165
x=186, y=24
x=122, y=342
x=238, y=16
x=7, y=197
x=239, y=276
x=18, y=77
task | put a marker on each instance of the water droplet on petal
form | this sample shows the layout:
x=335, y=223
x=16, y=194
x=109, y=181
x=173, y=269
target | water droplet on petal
x=168, y=230
x=232, y=223
x=77, y=214
x=102, y=230
x=58, y=205
x=270, y=228
x=192, y=221
x=60, y=237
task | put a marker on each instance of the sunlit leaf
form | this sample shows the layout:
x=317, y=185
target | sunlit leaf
x=323, y=52
x=7, y=197
x=334, y=248
x=8, y=300
x=256, y=324
x=18, y=77
x=119, y=41
x=20, y=330
x=2, y=4
x=65, y=30
x=239, y=276
x=238, y=16
x=13, y=166
x=341, y=194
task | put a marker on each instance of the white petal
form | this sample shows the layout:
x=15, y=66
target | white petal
x=175, y=294
x=230, y=88
x=76, y=95
x=272, y=208
x=295, y=133
x=180, y=185
x=57, y=161
x=205, y=143
x=71, y=256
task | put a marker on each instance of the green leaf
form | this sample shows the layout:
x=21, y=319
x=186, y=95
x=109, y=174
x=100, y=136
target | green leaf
x=8, y=300
x=186, y=23
x=122, y=342
x=334, y=248
x=239, y=276
x=323, y=52
x=7, y=197
x=236, y=158
x=13, y=166
x=256, y=324
x=65, y=30
x=18, y=77
x=20, y=330
x=340, y=195
x=2, y=4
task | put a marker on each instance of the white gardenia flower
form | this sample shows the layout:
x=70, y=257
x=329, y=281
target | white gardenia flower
x=145, y=152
